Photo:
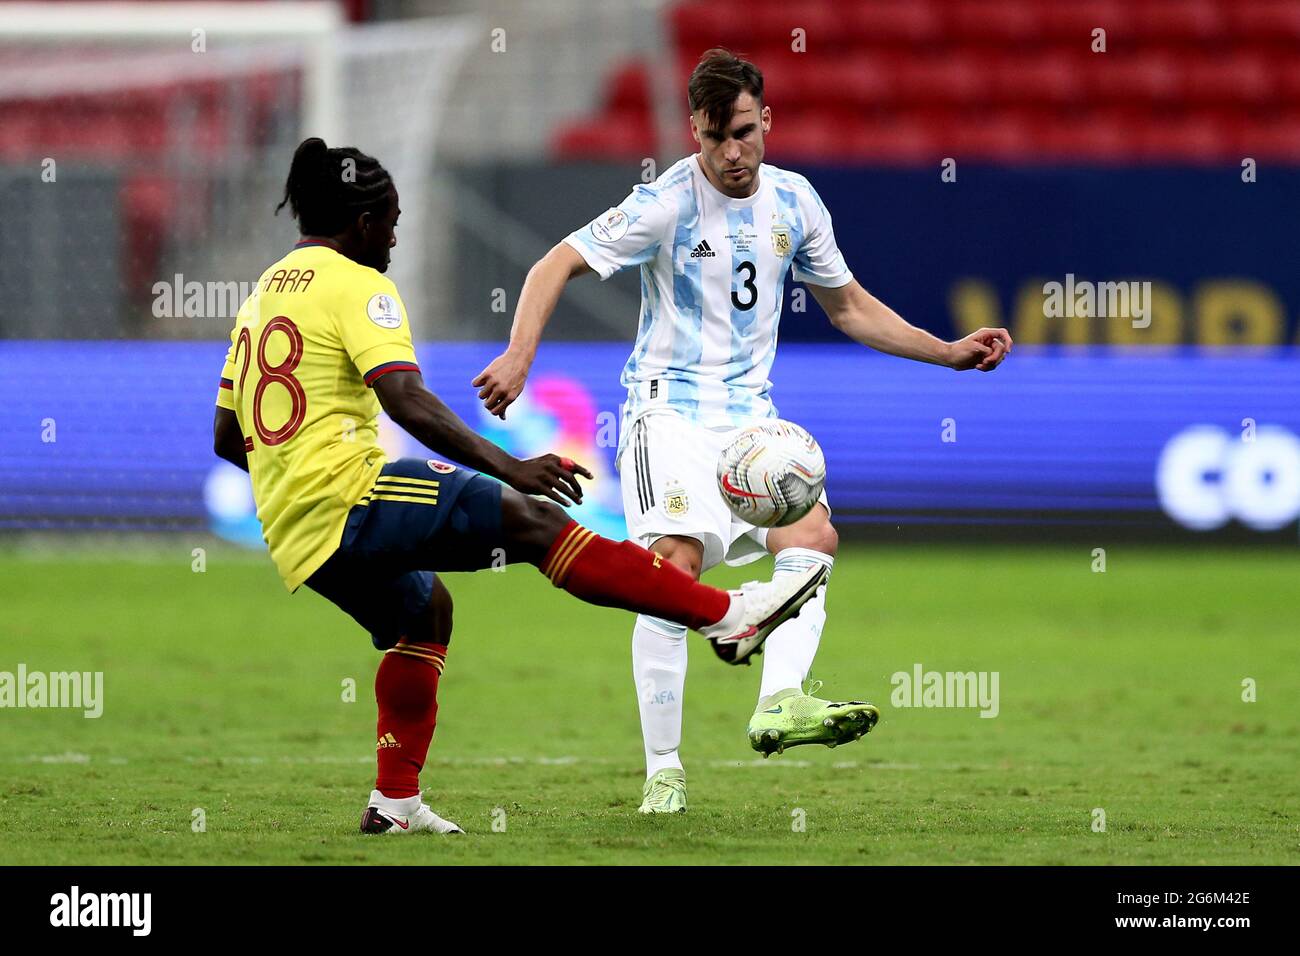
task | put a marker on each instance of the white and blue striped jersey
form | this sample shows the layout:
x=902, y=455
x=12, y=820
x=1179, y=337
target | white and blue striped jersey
x=712, y=273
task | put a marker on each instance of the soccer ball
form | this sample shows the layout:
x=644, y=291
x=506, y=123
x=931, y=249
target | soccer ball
x=771, y=474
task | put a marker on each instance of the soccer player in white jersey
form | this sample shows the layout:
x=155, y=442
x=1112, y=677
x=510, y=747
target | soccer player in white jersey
x=715, y=237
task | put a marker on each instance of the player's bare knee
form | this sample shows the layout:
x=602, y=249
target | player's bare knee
x=530, y=525
x=548, y=520
x=820, y=536
x=826, y=539
x=684, y=553
x=814, y=532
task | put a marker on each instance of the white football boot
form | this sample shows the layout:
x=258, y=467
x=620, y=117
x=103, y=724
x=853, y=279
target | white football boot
x=405, y=815
x=757, y=609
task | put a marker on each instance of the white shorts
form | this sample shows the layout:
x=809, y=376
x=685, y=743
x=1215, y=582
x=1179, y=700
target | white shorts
x=668, y=471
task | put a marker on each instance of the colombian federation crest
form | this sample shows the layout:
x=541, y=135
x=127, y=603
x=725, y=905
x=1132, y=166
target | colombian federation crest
x=441, y=467
x=781, y=239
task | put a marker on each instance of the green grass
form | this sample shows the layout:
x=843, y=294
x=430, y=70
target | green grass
x=1119, y=691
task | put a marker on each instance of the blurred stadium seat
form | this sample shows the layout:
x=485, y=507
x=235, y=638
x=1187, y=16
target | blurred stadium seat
x=1023, y=62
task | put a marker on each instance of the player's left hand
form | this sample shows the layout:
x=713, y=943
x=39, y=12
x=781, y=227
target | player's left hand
x=983, y=350
x=502, y=382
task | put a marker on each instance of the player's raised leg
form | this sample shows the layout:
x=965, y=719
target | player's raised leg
x=659, y=662
x=785, y=715
x=625, y=575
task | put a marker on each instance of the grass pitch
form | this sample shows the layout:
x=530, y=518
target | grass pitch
x=226, y=704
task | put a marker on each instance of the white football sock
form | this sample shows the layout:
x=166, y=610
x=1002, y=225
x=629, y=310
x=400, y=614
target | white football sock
x=402, y=805
x=789, y=651
x=659, y=670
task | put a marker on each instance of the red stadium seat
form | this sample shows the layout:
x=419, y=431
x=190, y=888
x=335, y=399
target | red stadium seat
x=894, y=141
x=804, y=136
x=858, y=82
x=629, y=88
x=956, y=79
x=1198, y=138
x=1286, y=70
x=612, y=136
x=1071, y=23
x=997, y=136
x=830, y=136
x=1047, y=78
x=698, y=26
x=1143, y=78
x=1268, y=21
x=774, y=24
x=1276, y=139
x=997, y=22
x=891, y=23
x=788, y=87
x=1166, y=22
x=1242, y=79
x=1082, y=139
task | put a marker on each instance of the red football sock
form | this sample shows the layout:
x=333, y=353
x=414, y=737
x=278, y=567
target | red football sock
x=626, y=575
x=406, y=689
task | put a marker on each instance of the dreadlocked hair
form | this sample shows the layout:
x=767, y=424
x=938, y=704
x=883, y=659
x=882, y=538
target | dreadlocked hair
x=328, y=188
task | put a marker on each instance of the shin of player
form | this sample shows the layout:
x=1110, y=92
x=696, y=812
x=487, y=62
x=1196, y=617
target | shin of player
x=659, y=664
x=659, y=671
x=790, y=650
x=406, y=692
x=625, y=575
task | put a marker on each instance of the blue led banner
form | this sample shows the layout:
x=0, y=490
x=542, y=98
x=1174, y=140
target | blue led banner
x=1219, y=253
x=117, y=435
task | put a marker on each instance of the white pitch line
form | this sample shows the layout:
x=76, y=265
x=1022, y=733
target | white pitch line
x=60, y=758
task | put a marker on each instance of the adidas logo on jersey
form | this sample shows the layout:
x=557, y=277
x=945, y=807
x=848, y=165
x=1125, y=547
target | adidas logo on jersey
x=702, y=251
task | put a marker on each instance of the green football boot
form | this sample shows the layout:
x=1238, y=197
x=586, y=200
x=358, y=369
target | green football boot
x=790, y=717
x=665, y=792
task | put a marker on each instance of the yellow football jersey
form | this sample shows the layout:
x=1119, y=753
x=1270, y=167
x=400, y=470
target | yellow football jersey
x=307, y=346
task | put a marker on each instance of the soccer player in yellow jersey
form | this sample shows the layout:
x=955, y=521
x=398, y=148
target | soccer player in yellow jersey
x=321, y=345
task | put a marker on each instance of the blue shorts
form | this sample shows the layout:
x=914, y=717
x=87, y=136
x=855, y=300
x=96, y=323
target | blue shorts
x=421, y=516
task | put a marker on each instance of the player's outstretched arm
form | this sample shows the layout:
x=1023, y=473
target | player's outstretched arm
x=427, y=418
x=227, y=439
x=865, y=319
x=501, y=382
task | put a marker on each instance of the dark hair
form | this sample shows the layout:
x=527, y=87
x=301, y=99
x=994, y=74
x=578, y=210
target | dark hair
x=716, y=82
x=325, y=195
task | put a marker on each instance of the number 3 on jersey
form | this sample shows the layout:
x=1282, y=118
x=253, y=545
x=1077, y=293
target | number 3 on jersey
x=747, y=295
x=279, y=374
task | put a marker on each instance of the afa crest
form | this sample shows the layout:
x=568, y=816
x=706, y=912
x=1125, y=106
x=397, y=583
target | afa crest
x=781, y=239
x=675, y=502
